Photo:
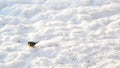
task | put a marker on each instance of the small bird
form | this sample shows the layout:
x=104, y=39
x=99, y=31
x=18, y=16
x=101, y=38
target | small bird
x=32, y=44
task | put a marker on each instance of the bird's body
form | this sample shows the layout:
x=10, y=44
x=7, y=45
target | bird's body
x=32, y=44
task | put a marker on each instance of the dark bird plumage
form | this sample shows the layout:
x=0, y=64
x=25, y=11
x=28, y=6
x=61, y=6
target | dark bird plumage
x=32, y=44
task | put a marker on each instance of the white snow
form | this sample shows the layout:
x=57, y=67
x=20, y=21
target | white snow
x=71, y=33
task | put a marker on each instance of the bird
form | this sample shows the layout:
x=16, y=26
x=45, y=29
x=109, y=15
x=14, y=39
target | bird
x=32, y=44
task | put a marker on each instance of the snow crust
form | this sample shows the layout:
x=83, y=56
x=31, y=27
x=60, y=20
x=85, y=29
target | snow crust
x=71, y=33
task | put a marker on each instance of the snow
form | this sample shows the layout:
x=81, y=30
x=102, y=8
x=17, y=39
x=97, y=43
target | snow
x=70, y=33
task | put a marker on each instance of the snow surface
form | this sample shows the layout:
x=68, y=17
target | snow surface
x=71, y=33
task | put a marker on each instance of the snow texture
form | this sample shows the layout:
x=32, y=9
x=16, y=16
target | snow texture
x=71, y=33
